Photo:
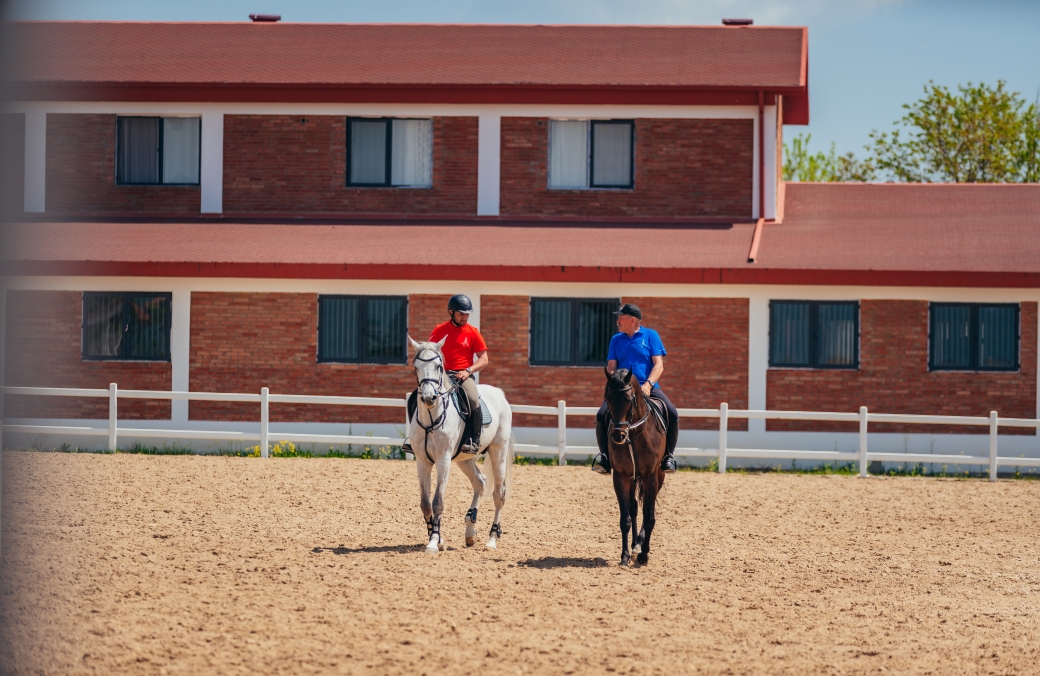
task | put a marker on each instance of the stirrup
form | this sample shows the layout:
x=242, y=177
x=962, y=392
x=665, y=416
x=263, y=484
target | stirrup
x=668, y=465
x=406, y=447
x=601, y=465
x=470, y=446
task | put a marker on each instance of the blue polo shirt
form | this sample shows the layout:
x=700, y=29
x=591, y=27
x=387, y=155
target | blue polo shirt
x=636, y=353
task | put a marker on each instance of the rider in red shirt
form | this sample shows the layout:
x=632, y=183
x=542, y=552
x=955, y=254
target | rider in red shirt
x=465, y=353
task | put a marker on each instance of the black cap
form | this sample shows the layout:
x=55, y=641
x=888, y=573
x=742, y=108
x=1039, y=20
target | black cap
x=629, y=309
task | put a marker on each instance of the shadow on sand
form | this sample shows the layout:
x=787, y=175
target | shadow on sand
x=339, y=551
x=563, y=562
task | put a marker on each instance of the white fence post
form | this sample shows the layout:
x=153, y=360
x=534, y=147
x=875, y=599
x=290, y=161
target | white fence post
x=561, y=430
x=113, y=390
x=723, y=429
x=264, y=419
x=992, y=445
x=407, y=423
x=863, y=441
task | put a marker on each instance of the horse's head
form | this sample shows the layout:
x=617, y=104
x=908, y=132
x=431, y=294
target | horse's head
x=623, y=402
x=429, y=371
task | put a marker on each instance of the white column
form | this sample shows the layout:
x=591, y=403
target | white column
x=180, y=352
x=212, y=172
x=754, y=166
x=770, y=137
x=489, y=147
x=474, y=318
x=35, y=195
x=758, y=357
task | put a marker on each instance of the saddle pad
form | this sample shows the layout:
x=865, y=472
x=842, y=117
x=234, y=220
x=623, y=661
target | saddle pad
x=657, y=406
x=484, y=410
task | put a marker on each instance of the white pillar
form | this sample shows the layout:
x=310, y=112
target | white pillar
x=770, y=145
x=758, y=358
x=754, y=166
x=489, y=150
x=180, y=352
x=211, y=176
x=35, y=195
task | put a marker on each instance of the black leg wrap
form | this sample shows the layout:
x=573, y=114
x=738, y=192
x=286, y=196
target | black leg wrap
x=471, y=515
x=433, y=526
x=496, y=530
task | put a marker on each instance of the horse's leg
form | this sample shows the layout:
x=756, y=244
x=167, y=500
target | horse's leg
x=649, y=513
x=470, y=469
x=425, y=472
x=499, y=457
x=623, y=489
x=633, y=511
x=443, y=469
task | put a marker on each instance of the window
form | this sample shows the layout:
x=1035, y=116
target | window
x=157, y=150
x=973, y=337
x=363, y=329
x=814, y=334
x=391, y=153
x=571, y=331
x=126, y=326
x=590, y=154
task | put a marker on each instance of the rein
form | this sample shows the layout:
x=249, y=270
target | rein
x=627, y=432
x=443, y=396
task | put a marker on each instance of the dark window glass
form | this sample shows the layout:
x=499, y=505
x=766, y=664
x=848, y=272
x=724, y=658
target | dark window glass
x=155, y=150
x=973, y=337
x=814, y=334
x=390, y=152
x=571, y=331
x=363, y=329
x=611, y=154
x=126, y=326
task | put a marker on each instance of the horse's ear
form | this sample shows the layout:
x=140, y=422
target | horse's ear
x=440, y=343
x=415, y=345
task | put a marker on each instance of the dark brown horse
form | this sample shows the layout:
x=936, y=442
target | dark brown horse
x=636, y=450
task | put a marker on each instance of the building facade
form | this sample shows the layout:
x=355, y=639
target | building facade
x=242, y=206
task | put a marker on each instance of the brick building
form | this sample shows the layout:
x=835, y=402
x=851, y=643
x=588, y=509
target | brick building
x=222, y=207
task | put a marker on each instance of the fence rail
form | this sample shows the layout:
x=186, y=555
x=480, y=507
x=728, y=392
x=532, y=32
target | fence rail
x=721, y=453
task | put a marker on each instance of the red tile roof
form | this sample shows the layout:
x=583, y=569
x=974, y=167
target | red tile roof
x=236, y=58
x=883, y=235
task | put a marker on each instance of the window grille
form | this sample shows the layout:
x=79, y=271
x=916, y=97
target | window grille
x=814, y=334
x=973, y=337
x=571, y=331
x=591, y=154
x=385, y=152
x=158, y=150
x=126, y=326
x=363, y=329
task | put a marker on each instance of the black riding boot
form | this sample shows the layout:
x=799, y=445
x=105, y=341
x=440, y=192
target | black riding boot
x=668, y=462
x=413, y=404
x=602, y=462
x=471, y=435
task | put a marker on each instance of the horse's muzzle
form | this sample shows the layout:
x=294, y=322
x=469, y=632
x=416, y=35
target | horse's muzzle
x=619, y=435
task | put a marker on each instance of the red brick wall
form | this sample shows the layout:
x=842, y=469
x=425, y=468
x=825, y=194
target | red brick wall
x=12, y=162
x=682, y=168
x=81, y=171
x=707, y=362
x=893, y=377
x=241, y=342
x=281, y=163
x=43, y=348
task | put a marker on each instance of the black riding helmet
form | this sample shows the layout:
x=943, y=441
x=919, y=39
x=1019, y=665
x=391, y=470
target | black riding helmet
x=460, y=303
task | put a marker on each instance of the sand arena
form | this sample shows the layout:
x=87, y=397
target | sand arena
x=126, y=564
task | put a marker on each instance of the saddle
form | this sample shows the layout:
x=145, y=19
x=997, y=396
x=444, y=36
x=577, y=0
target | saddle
x=462, y=406
x=657, y=406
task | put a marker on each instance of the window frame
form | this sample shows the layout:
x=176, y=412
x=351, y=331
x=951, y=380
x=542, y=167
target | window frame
x=973, y=327
x=125, y=295
x=575, y=330
x=388, y=170
x=162, y=148
x=362, y=323
x=590, y=155
x=814, y=337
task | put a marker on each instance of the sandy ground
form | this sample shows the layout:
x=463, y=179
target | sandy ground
x=141, y=565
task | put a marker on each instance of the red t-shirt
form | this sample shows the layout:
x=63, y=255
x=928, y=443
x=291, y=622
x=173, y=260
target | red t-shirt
x=463, y=341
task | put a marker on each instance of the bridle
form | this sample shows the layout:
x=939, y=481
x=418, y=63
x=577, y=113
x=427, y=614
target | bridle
x=441, y=394
x=626, y=431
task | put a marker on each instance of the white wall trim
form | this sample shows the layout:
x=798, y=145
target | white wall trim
x=211, y=175
x=770, y=160
x=758, y=357
x=489, y=150
x=35, y=196
x=180, y=351
x=755, y=157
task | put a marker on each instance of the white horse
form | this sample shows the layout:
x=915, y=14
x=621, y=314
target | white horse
x=434, y=432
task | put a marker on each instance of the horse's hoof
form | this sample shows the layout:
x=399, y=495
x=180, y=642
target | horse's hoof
x=432, y=549
x=643, y=558
x=491, y=544
x=471, y=541
x=626, y=560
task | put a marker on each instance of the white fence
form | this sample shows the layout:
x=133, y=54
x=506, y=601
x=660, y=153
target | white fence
x=722, y=453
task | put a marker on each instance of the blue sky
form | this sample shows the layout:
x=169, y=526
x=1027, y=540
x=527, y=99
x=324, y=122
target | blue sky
x=866, y=57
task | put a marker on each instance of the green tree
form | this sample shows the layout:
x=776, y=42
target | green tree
x=979, y=134
x=820, y=167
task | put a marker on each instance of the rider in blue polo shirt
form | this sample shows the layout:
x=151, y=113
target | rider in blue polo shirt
x=641, y=351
